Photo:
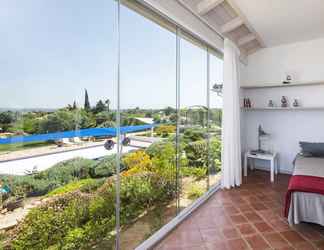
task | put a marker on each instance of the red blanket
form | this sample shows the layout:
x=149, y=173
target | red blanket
x=303, y=183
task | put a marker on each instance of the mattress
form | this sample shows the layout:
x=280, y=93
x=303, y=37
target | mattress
x=307, y=207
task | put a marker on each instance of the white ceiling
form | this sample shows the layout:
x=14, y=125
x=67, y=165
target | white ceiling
x=284, y=21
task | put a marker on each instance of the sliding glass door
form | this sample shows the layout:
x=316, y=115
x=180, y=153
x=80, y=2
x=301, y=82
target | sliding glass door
x=193, y=121
x=215, y=117
x=57, y=101
x=148, y=128
x=109, y=124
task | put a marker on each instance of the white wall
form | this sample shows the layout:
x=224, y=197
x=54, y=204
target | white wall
x=305, y=62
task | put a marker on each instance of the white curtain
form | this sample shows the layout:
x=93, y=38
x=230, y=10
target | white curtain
x=231, y=136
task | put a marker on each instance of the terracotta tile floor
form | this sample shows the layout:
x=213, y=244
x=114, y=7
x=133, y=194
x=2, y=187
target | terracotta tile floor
x=249, y=217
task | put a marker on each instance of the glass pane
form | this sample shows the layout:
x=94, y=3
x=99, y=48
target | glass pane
x=193, y=119
x=59, y=83
x=215, y=119
x=148, y=115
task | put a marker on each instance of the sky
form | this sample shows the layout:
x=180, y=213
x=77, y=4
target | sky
x=51, y=51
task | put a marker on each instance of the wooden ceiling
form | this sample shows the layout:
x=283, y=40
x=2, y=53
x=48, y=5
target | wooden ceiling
x=225, y=18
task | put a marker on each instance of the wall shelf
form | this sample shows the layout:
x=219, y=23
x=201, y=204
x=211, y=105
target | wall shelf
x=284, y=109
x=279, y=85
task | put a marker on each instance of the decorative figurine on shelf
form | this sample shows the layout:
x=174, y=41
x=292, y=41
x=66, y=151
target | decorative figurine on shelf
x=246, y=103
x=296, y=103
x=288, y=79
x=270, y=104
x=284, y=102
x=261, y=136
x=249, y=103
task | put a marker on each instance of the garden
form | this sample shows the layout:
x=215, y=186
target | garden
x=77, y=209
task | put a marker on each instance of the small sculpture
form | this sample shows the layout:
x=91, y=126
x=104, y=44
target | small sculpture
x=247, y=103
x=288, y=79
x=270, y=104
x=295, y=103
x=284, y=102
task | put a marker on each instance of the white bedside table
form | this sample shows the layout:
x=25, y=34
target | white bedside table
x=269, y=157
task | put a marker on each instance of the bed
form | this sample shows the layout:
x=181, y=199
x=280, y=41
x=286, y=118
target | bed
x=305, y=195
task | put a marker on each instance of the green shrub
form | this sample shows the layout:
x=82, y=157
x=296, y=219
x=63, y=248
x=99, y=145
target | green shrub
x=67, y=171
x=47, y=180
x=165, y=130
x=195, y=191
x=105, y=167
x=93, y=185
x=76, y=221
x=197, y=153
x=85, y=185
x=198, y=173
x=215, y=154
x=191, y=134
x=164, y=149
x=59, y=175
x=75, y=239
x=48, y=225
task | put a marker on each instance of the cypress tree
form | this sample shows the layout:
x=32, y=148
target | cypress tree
x=86, y=101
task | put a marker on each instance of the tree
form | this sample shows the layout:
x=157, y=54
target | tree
x=6, y=118
x=169, y=110
x=86, y=101
x=107, y=102
x=60, y=120
x=74, y=105
x=100, y=107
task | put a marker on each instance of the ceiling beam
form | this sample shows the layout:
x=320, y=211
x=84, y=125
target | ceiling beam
x=206, y=6
x=246, y=22
x=232, y=25
x=246, y=39
x=253, y=50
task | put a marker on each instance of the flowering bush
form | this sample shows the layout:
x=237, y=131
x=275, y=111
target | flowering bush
x=165, y=130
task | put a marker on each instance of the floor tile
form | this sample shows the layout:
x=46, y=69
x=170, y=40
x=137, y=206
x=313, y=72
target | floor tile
x=293, y=237
x=237, y=244
x=238, y=219
x=305, y=246
x=252, y=216
x=246, y=229
x=230, y=233
x=263, y=227
x=211, y=235
x=258, y=206
x=276, y=240
x=256, y=242
x=215, y=245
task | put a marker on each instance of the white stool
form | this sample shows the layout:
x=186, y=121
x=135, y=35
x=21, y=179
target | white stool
x=269, y=157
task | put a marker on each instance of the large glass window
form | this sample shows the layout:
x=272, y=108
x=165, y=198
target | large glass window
x=148, y=97
x=57, y=96
x=215, y=117
x=193, y=122
x=109, y=124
